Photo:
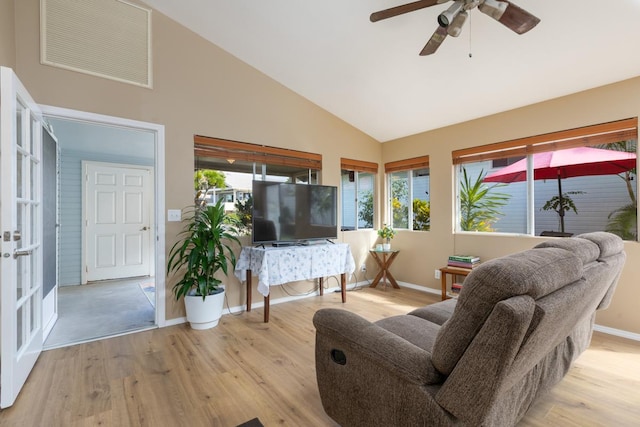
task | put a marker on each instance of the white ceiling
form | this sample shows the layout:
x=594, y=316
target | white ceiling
x=371, y=76
x=88, y=137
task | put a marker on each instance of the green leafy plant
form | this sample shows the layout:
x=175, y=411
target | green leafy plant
x=365, y=211
x=243, y=212
x=421, y=215
x=202, y=250
x=553, y=204
x=204, y=179
x=386, y=232
x=399, y=202
x=479, y=204
x=624, y=220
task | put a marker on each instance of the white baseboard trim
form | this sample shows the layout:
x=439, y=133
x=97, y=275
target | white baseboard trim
x=173, y=322
x=350, y=286
x=260, y=301
x=420, y=288
x=617, y=332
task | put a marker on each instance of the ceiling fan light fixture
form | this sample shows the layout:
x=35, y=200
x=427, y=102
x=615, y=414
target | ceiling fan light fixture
x=493, y=8
x=455, y=28
x=446, y=18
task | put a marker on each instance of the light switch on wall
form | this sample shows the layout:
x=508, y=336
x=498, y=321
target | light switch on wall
x=173, y=215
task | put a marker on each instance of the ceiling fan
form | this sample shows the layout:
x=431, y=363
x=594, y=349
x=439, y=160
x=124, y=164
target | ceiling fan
x=451, y=20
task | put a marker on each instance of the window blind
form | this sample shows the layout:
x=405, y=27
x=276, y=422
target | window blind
x=206, y=146
x=407, y=164
x=604, y=133
x=358, y=165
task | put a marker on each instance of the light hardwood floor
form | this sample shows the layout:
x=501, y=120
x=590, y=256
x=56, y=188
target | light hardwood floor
x=244, y=368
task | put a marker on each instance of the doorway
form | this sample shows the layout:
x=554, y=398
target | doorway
x=128, y=303
x=117, y=200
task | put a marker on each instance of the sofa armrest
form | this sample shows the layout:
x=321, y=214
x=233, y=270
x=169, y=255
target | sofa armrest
x=478, y=376
x=350, y=332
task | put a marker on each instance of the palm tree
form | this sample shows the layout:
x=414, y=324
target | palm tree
x=479, y=205
x=623, y=221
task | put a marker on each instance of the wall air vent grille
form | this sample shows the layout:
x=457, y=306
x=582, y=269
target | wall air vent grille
x=106, y=38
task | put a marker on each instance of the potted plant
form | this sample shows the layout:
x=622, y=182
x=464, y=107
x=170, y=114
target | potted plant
x=386, y=232
x=200, y=253
x=560, y=206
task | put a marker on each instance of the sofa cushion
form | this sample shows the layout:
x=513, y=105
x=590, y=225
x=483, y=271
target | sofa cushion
x=437, y=313
x=609, y=244
x=419, y=332
x=535, y=272
x=584, y=249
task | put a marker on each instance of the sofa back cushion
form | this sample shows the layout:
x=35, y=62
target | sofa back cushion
x=596, y=248
x=535, y=272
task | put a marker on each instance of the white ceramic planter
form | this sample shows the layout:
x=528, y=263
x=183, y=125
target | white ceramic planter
x=386, y=246
x=204, y=314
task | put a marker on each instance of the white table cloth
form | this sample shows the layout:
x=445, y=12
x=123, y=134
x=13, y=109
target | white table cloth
x=278, y=265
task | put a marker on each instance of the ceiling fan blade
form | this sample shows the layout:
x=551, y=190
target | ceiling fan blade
x=510, y=15
x=518, y=19
x=405, y=8
x=434, y=42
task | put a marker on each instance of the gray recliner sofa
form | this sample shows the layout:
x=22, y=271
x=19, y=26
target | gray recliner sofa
x=481, y=359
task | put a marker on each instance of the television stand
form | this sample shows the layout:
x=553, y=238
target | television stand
x=313, y=262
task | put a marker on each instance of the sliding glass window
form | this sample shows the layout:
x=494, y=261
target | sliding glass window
x=557, y=184
x=408, y=188
x=357, y=190
x=225, y=169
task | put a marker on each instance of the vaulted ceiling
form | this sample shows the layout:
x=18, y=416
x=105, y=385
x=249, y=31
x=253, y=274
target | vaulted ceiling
x=371, y=76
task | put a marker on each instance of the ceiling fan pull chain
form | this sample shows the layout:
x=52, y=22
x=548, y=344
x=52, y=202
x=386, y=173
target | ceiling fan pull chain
x=470, y=54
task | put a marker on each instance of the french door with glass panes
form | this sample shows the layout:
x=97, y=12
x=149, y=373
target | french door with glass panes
x=21, y=235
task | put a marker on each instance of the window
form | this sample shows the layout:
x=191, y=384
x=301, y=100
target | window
x=409, y=205
x=558, y=184
x=357, y=188
x=225, y=169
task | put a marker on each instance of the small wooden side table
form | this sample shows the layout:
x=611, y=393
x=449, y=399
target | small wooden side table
x=384, y=259
x=453, y=271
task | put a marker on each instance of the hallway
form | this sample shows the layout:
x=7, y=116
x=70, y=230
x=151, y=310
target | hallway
x=101, y=309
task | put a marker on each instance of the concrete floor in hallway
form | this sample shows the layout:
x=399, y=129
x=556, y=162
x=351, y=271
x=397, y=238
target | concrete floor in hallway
x=100, y=309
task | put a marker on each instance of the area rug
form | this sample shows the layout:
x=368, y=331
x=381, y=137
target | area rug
x=252, y=423
x=149, y=289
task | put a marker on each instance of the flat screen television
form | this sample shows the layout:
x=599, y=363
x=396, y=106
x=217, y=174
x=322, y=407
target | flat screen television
x=285, y=213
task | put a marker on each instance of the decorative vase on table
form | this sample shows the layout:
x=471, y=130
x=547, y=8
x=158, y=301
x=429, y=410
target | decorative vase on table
x=386, y=233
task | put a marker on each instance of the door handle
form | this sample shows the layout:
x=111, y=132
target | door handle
x=145, y=228
x=18, y=253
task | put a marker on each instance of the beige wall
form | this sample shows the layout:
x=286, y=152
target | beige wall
x=422, y=253
x=7, y=37
x=198, y=89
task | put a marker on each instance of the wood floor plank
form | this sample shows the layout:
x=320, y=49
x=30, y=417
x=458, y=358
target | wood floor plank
x=244, y=369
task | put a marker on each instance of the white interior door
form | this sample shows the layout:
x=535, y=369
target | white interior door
x=117, y=219
x=50, y=228
x=21, y=228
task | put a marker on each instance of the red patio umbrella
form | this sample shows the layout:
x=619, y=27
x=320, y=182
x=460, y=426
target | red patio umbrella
x=572, y=162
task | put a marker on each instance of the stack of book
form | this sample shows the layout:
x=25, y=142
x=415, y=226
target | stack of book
x=456, y=288
x=463, y=261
